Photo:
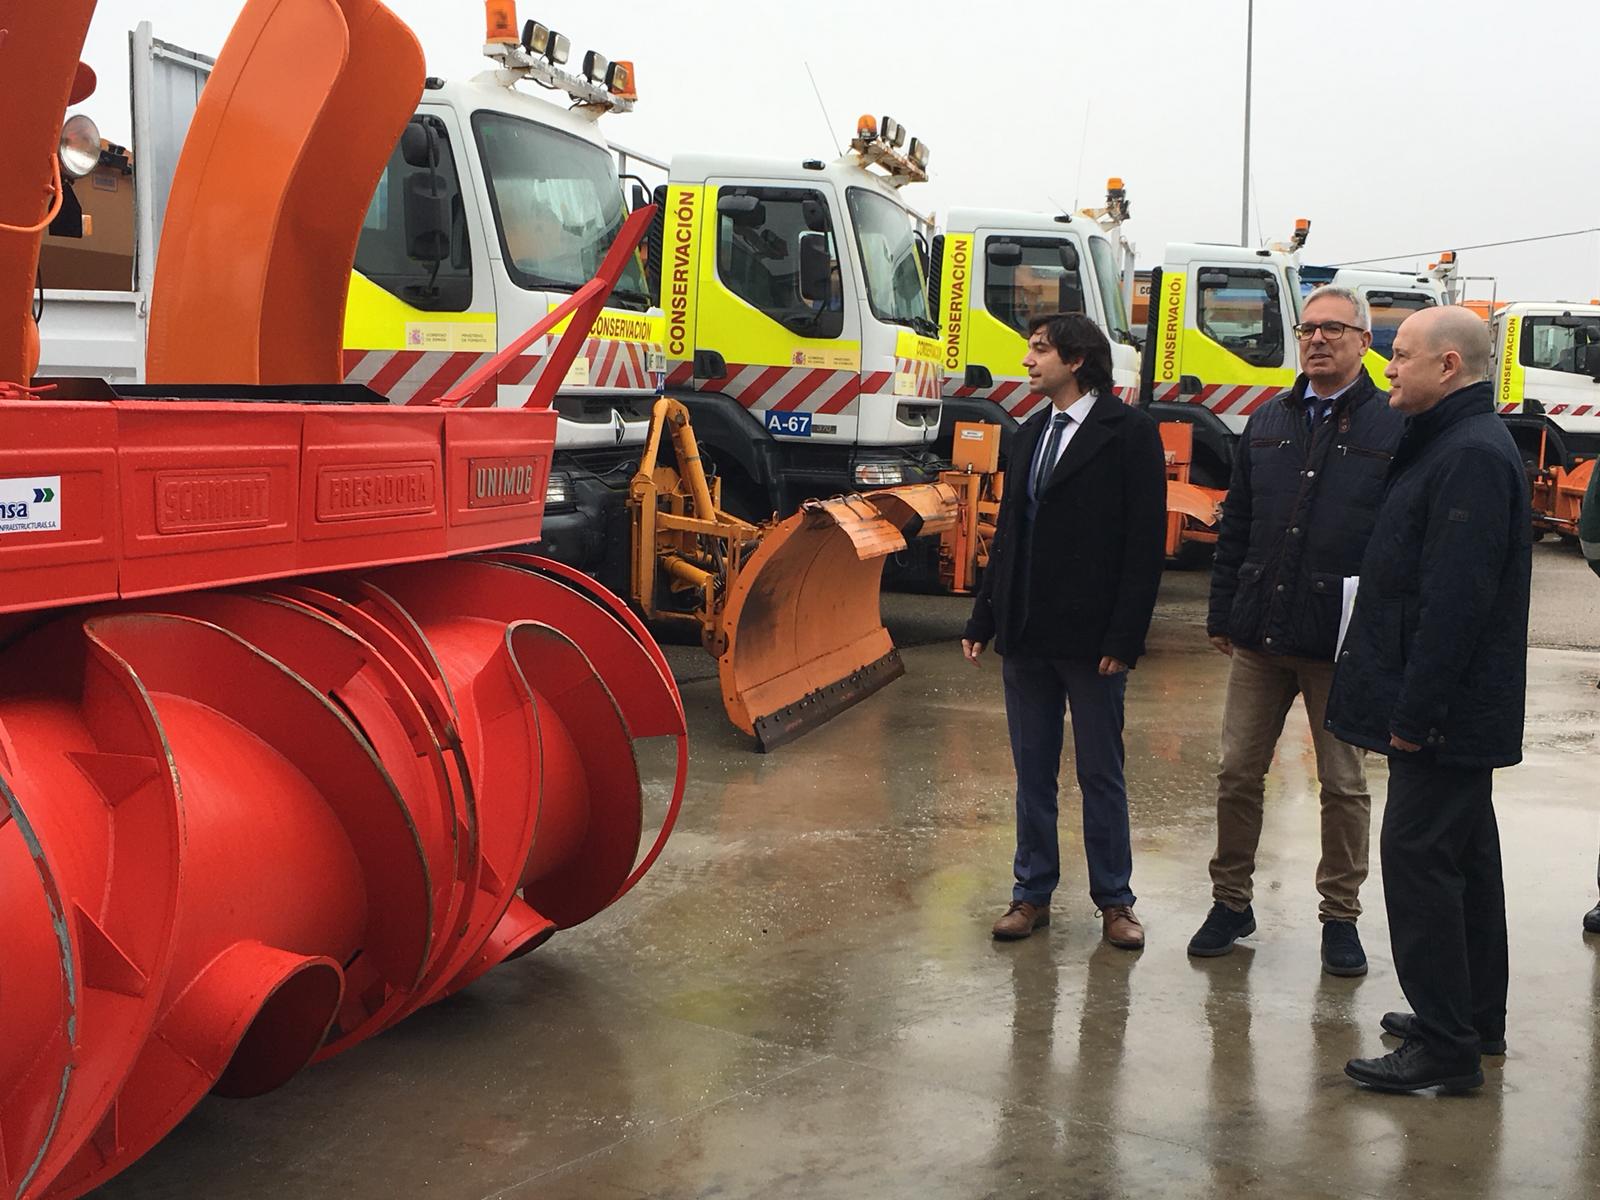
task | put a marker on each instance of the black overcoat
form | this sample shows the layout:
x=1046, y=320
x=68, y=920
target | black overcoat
x=1079, y=579
x=1437, y=651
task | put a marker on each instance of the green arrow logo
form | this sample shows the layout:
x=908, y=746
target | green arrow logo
x=43, y=495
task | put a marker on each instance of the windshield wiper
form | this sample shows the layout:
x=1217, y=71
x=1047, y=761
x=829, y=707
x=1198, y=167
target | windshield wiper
x=923, y=326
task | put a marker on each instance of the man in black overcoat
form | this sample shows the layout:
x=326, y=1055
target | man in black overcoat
x=1067, y=600
x=1433, y=673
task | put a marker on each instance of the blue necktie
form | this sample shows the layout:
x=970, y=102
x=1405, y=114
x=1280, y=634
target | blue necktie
x=1052, y=449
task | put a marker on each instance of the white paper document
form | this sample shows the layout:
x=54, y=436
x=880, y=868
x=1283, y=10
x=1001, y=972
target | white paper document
x=1351, y=583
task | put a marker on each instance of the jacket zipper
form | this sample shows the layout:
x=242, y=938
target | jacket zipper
x=1365, y=453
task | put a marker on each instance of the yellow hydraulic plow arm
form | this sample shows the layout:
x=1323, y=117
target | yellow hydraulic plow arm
x=789, y=609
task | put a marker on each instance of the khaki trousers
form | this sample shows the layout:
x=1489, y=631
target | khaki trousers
x=1261, y=687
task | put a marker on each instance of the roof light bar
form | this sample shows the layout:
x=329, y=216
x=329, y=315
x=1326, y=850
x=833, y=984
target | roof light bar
x=539, y=52
x=879, y=141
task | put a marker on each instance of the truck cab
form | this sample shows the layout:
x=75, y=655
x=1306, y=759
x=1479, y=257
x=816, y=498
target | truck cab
x=1220, y=343
x=1546, y=374
x=496, y=204
x=796, y=323
x=995, y=271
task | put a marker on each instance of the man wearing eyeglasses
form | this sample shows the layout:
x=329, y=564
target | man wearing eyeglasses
x=1308, y=478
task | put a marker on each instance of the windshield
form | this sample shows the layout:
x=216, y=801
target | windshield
x=1110, y=280
x=896, y=289
x=557, y=204
x=1388, y=310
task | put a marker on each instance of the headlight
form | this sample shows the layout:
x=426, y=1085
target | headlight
x=80, y=146
x=879, y=474
x=558, y=490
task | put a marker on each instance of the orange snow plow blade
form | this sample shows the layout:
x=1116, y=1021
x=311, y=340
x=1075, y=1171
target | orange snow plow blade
x=790, y=609
x=804, y=638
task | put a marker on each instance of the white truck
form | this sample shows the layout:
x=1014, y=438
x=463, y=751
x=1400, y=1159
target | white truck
x=497, y=203
x=797, y=330
x=993, y=272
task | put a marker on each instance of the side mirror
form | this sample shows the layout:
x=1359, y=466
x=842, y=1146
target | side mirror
x=639, y=199
x=1213, y=278
x=1069, y=255
x=978, y=377
x=816, y=268
x=741, y=210
x=427, y=217
x=1380, y=300
x=419, y=147
x=1004, y=254
x=815, y=213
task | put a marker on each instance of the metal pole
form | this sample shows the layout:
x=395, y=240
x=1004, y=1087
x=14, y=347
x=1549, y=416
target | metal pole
x=1244, y=193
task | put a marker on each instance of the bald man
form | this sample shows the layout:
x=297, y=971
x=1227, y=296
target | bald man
x=1433, y=673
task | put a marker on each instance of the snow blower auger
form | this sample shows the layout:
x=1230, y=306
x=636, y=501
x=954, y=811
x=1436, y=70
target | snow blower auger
x=789, y=609
x=291, y=744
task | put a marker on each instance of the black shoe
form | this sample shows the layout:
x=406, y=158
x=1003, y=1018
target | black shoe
x=1591, y=920
x=1411, y=1069
x=1404, y=1025
x=1223, y=927
x=1341, y=949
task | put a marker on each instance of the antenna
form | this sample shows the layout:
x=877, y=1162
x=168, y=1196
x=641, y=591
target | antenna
x=837, y=149
x=1077, y=179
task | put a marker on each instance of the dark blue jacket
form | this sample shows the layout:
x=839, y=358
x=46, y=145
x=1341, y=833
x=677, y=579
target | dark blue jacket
x=1299, y=509
x=1437, y=651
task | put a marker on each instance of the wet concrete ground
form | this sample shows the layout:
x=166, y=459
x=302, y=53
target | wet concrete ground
x=803, y=999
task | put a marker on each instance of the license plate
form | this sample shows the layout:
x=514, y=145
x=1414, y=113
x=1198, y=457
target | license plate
x=788, y=424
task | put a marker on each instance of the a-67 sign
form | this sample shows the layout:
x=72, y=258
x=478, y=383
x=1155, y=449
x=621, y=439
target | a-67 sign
x=788, y=424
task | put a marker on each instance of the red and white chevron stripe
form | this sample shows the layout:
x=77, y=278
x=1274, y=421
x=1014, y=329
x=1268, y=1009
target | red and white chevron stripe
x=1013, y=394
x=410, y=376
x=1510, y=408
x=1221, y=398
x=422, y=376
x=818, y=390
x=1572, y=410
x=929, y=376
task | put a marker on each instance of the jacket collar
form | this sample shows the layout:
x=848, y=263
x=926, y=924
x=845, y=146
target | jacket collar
x=1464, y=402
x=1357, y=393
x=1472, y=400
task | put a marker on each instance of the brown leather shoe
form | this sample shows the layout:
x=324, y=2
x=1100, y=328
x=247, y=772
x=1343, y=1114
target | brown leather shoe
x=1020, y=920
x=1122, y=928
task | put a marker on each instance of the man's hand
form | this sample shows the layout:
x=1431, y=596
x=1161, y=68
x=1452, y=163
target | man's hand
x=1223, y=643
x=971, y=650
x=1399, y=743
x=1112, y=666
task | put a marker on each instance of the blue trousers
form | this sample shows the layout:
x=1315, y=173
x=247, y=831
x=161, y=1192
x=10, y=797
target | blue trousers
x=1039, y=692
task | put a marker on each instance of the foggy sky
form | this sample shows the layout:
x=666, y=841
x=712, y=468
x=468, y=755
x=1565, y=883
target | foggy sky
x=1406, y=127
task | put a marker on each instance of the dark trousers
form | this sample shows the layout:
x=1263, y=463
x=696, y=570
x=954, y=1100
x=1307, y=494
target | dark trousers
x=1440, y=850
x=1039, y=692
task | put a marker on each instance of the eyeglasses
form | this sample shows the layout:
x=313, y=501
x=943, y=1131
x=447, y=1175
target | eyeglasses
x=1331, y=330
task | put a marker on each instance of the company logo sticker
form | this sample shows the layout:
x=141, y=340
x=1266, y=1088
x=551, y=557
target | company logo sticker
x=31, y=504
